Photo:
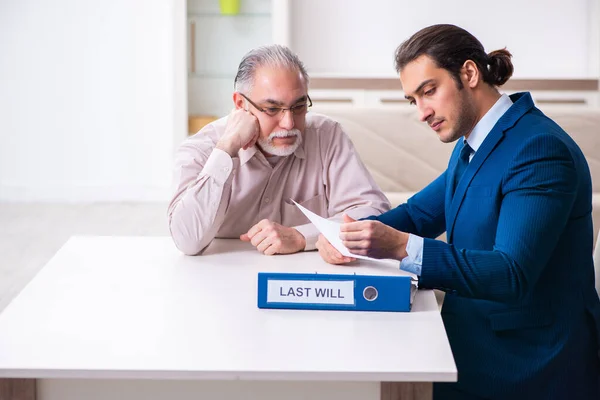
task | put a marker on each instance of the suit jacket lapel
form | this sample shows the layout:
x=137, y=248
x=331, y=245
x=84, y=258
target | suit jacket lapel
x=522, y=103
x=482, y=153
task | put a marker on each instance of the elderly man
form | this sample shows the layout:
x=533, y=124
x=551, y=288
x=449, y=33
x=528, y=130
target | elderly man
x=236, y=177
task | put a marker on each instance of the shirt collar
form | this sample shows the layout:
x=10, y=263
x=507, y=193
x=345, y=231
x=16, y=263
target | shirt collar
x=485, y=125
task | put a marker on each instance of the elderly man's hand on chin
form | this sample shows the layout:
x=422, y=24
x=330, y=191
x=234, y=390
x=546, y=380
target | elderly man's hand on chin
x=272, y=238
x=365, y=238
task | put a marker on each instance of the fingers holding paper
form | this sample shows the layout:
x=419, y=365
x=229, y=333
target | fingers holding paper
x=271, y=238
x=329, y=253
x=373, y=239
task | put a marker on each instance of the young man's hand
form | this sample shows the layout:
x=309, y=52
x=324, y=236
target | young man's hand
x=373, y=239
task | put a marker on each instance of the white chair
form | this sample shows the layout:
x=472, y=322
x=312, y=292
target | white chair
x=597, y=263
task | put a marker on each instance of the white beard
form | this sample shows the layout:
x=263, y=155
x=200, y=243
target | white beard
x=266, y=144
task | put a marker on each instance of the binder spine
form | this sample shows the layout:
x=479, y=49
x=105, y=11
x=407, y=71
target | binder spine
x=334, y=292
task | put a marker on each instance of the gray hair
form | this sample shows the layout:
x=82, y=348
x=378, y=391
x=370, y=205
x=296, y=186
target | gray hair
x=274, y=55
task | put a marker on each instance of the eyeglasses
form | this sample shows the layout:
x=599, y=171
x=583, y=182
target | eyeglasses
x=298, y=109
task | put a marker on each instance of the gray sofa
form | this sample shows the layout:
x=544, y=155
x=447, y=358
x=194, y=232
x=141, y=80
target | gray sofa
x=404, y=154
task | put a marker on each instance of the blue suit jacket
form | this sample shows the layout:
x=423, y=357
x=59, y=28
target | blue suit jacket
x=521, y=311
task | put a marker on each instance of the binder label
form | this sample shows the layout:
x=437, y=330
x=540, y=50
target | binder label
x=313, y=292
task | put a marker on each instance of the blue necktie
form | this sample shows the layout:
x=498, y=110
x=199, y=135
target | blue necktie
x=461, y=164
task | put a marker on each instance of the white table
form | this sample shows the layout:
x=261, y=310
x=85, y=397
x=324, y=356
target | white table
x=132, y=318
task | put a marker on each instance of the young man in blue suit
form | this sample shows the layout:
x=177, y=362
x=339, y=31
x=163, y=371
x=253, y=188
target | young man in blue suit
x=520, y=310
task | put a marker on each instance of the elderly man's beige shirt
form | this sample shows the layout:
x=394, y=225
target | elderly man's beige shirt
x=217, y=196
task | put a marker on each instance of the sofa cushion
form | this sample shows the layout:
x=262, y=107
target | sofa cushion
x=403, y=154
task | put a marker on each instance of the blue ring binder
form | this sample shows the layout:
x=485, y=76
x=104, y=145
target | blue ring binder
x=335, y=292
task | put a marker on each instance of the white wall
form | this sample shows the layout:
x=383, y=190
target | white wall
x=548, y=38
x=93, y=93
x=90, y=98
x=357, y=38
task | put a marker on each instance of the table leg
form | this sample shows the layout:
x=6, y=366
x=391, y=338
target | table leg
x=406, y=391
x=17, y=389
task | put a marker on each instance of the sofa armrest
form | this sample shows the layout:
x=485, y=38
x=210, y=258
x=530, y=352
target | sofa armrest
x=397, y=198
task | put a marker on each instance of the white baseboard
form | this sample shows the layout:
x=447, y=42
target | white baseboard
x=82, y=194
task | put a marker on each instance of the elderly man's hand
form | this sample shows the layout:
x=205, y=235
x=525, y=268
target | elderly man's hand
x=272, y=238
x=241, y=132
x=373, y=239
x=330, y=254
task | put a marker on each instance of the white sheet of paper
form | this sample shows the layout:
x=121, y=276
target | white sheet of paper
x=331, y=231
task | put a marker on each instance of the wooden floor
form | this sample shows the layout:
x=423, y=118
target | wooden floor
x=30, y=234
